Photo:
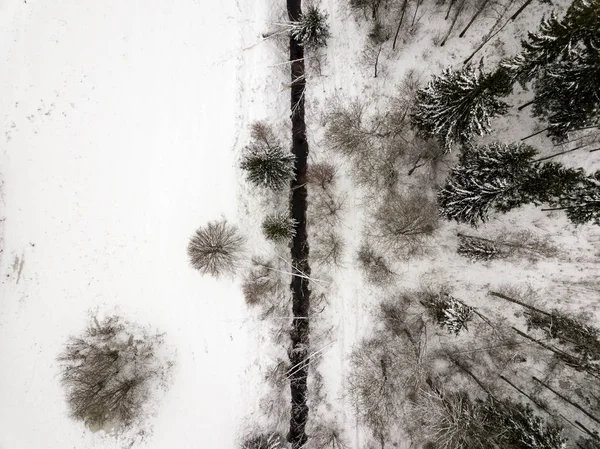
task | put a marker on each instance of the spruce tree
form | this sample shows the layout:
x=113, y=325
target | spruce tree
x=501, y=177
x=557, y=40
x=563, y=60
x=582, y=205
x=458, y=104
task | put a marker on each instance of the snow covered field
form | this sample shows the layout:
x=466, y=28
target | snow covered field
x=118, y=123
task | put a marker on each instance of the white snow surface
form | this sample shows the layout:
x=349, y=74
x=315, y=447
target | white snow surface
x=119, y=121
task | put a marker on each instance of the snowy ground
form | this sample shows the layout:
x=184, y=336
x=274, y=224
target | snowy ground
x=118, y=123
x=122, y=125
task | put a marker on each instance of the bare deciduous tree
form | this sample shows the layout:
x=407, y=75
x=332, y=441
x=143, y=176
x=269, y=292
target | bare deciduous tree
x=110, y=371
x=215, y=248
x=405, y=223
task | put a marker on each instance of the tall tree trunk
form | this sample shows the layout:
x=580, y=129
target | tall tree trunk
x=534, y=134
x=399, y=24
x=449, y=8
x=520, y=10
x=560, y=153
x=479, y=11
x=523, y=106
x=299, y=350
x=412, y=24
x=460, y=8
x=516, y=301
x=564, y=398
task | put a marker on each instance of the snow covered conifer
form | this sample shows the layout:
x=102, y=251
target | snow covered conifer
x=268, y=165
x=449, y=312
x=557, y=40
x=458, y=104
x=312, y=30
x=582, y=205
x=501, y=177
x=563, y=60
x=279, y=227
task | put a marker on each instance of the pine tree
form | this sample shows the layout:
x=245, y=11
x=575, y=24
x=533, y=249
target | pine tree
x=279, y=227
x=312, y=30
x=267, y=165
x=448, y=312
x=501, y=177
x=456, y=105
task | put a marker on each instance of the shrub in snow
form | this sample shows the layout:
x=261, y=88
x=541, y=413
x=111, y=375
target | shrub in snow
x=279, y=227
x=456, y=105
x=448, y=312
x=375, y=266
x=215, y=248
x=110, y=371
x=263, y=441
x=321, y=174
x=502, y=177
x=476, y=248
x=312, y=30
x=405, y=223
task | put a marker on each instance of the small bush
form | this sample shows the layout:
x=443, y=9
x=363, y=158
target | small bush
x=279, y=227
x=346, y=132
x=448, y=312
x=321, y=174
x=263, y=441
x=406, y=223
x=375, y=266
x=109, y=373
x=215, y=248
x=258, y=284
x=329, y=248
x=327, y=436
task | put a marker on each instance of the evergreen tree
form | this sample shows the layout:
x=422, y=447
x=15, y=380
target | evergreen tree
x=567, y=95
x=582, y=205
x=267, y=165
x=456, y=105
x=558, y=40
x=563, y=60
x=312, y=30
x=279, y=227
x=501, y=177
